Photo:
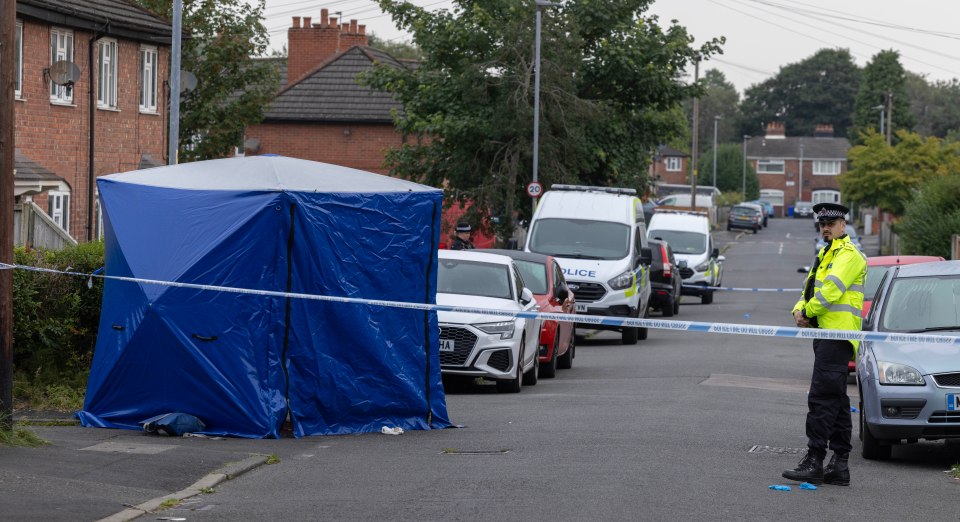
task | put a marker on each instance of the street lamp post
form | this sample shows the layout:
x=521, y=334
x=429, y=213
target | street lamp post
x=743, y=187
x=536, y=98
x=883, y=111
x=715, y=120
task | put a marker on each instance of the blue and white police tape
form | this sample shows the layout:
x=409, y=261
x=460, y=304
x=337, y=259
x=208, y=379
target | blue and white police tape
x=581, y=320
x=732, y=289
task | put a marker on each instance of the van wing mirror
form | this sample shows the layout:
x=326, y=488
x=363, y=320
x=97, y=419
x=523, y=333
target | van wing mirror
x=526, y=296
x=562, y=293
x=715, y=252
x=646, y=256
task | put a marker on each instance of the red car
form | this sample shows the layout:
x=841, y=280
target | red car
x=544, y=277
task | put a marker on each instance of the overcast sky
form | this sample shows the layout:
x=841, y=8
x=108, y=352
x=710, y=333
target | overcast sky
x=762, y=35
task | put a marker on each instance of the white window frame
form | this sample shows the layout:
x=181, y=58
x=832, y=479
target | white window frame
x=58, y=207
x=771, y=166
x=18, y=61
x=149, y=56
x=826, y=167
x=825, y=196
x=673, y=164
x=61, y=48
x=774, y=196
x=107, y=58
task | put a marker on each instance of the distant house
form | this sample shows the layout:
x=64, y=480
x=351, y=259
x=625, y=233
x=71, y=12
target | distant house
x=794, y=169
x=669, y=166
x=322, y=112
x=79, y=62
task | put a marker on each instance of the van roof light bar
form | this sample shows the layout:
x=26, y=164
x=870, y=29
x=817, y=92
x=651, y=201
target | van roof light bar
x=585, y=188
x=659, y=210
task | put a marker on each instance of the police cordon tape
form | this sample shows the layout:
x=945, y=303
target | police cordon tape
x=581, y=320
x=732, y=289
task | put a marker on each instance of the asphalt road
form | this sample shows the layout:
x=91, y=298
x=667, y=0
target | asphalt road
x=681, y=426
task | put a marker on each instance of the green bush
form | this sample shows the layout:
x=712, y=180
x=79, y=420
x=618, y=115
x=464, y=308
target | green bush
x=55, y=316
x=931, y=217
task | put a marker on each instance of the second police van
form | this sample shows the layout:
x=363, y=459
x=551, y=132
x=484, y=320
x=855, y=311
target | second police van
x=599, y=237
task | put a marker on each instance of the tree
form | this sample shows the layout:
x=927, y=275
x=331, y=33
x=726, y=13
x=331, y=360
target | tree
x=882, y=76
x=932, y=217
x=610, y=81
x=730, y=173
x=720, y=98
x=233, y=87
x=885, y=176
x=935, y=106
x=401, y=50
x=818, y=90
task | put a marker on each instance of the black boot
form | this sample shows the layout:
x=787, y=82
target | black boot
x=837, y=472
x=809, y=470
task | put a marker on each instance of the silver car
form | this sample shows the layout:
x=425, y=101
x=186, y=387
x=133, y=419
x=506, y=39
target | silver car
x=911, y=391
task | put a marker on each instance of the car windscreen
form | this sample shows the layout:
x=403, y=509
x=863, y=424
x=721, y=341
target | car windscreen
x=534, y=275
x=473, y=278
x=918, y=304
x=580, y=238
x=682, y=242
x=872, y=282
x=743, y=211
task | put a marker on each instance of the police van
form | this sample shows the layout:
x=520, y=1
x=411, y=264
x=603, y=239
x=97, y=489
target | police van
x=688, y=233
x=598, y=236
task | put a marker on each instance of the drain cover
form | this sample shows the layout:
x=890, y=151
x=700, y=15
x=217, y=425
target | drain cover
x=780, y=451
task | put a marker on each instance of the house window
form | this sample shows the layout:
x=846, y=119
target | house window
x=107, y=74
x=769, y=166
x=826, y=167
x=148, y=79
x=673, y=164
x=774, y=196
x=58, y=207
x=61, y=49
x=18, y=60
x=825, y=196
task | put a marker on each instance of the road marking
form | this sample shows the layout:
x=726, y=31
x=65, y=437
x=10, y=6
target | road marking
x=788, y=235
x=780, y=252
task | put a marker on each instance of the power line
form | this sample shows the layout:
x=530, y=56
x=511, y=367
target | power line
x=868, y=21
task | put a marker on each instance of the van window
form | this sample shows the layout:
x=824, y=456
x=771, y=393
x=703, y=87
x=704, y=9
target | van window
x=580, y=238
x=682, y=242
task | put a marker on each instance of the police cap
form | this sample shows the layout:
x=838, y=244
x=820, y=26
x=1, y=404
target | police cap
x=827, y=212
x=463, y=227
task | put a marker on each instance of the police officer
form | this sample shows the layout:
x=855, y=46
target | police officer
x=462, y=239
x=833, y=300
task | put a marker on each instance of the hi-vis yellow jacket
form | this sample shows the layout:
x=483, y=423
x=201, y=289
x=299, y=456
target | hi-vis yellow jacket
x=837, y=302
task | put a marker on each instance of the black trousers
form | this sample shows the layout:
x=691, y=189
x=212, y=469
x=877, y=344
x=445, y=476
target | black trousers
x=828, y=416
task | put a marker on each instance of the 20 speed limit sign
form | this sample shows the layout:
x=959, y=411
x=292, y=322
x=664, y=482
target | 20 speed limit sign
x=534, y=189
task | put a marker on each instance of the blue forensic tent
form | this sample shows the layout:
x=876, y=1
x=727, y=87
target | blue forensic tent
x=237, y=361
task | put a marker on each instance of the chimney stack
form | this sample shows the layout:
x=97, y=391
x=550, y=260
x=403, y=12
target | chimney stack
x=310, y=44
x=823, y=130
x=776, y=130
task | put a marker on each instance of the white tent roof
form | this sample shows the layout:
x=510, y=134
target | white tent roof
x=264, y=173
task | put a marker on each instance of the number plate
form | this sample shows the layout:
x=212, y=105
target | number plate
x=581, y=307
x=446, y=345
x=953, y=401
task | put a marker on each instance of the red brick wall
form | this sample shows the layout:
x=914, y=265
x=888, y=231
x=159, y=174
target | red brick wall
x=57, y=137
x=363, y=148
x=792, y=174
x=675, y=177
x=310, y=44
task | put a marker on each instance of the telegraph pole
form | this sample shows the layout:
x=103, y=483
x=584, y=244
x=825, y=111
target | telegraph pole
x=889, y=115
x=696, y=132
x=8, y=15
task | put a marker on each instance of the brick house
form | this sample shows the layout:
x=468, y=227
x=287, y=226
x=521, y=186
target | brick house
x=124, y=50
x=669, y=165
x=794, y=169
x=322, y=113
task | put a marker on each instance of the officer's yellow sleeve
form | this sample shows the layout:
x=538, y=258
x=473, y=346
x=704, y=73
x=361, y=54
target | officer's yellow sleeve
x=802, y=301
x=846, y=266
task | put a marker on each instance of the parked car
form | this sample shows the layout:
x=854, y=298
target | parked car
x=762, y=216
x=544, y=277
x=665, y=279
x=911, y=391
x=802, y=209
x=744, y=217
x=850, y=231
x=493, y=347
x=688, y=234
x=648, y=207
x=877, y=266
x=768, y=211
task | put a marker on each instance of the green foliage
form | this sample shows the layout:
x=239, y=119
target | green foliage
x=19, y=437
x=232, y=86
x=610, y=93
x=401, y=50
x=884, y=176
x=55, y=319
x=882, y=75
x=935, y=106
x=819, y=89
x=932, y=217
x=720, y=98
x=730, y=171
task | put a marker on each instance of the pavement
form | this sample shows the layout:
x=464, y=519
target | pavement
x=114, y=475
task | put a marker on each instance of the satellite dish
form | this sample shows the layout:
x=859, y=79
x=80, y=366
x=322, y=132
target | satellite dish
x=188, y=81
x=63, y=72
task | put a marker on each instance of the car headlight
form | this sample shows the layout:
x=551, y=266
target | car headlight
x=703, y=267
x=894, y=373
x=504, y=328
x=624, y=280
